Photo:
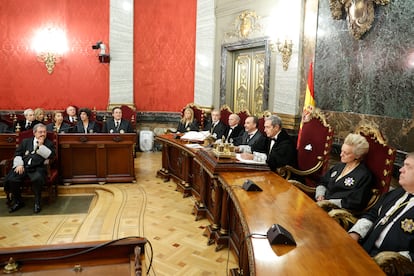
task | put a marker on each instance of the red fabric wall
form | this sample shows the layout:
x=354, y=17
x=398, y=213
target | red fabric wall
x=78, y=79
x=164, y=56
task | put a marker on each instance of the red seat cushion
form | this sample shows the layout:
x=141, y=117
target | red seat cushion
x=380, y=159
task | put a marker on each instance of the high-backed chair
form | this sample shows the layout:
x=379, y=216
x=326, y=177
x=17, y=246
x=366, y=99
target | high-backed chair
x=8, y=120
x=260, y=126
x=65, y=116
x=243, y=114
x=393, y=263
x=50, y=188
x=129, y=114
x=225, y=112
x=313, y=153
x=16, y=119
x=199, y=113
x=380, y=160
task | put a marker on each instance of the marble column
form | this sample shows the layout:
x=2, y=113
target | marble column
x=121, y=39
x=205, y=40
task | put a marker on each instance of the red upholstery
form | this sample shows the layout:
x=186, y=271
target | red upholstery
x=7, y=119
x=380, y=157
x=48, y=118
x=315, y=142
x=260, y=126
x=243, y=116
x=93, y=114
x=129, y=114
x=198, y=113
x=225, y=113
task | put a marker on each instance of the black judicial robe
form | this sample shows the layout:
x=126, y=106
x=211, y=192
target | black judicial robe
x=354, y=189
x=401, y=235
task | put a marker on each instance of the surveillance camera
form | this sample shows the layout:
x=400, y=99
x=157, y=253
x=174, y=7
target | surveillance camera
x=103, y=49
x=97, y=45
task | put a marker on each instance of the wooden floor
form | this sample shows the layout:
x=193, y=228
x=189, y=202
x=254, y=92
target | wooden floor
x=150, y=208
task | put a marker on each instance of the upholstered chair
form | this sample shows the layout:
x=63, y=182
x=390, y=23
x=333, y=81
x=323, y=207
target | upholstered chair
x=314, y=147
x=225, y=112
x=129, y=115
x=50, y=188
x=199, y=113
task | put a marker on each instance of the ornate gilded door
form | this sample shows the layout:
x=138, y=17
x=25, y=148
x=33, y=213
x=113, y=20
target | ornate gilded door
x=248, y=80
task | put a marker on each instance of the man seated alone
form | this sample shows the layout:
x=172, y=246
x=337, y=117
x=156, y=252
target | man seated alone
x=252, y=140
x=280, y=149
x=389, y=224
x=116, y=124
x=29, y=161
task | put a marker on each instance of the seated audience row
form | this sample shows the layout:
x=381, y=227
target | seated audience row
x=70, y=123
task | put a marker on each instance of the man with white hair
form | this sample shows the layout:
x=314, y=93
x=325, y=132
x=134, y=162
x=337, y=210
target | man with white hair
x=28, y=123
x=215, y=126
x=235, y=129
x=280, y=149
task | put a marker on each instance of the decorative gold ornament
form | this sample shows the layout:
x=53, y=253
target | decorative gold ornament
x=407, y=225
x=285, y=49
x=50, y=44
x=11, y=267
x=360, y=14
x=50, y=60
x=244, y=24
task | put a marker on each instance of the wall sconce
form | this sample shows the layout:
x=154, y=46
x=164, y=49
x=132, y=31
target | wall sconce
x=285, y=49
x=103, y=56
x=50, y=45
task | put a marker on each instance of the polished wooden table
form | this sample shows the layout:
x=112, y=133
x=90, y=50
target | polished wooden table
x=120, y=257
x=177, y=161
x=195, y=170
x=322, y=246
x=96, y=157
x=210, y=200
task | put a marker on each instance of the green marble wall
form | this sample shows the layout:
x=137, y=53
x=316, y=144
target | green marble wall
x=371, y=78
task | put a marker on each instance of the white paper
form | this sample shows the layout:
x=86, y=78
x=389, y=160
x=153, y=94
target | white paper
x=248, y=161
x=196, y=135
x=194, y=146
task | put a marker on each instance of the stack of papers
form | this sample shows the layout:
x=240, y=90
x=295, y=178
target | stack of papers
x=196, y=135
x=248, y=161
x=194, y=146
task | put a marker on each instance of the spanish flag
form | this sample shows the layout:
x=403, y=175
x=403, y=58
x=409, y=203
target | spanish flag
x=309, y=103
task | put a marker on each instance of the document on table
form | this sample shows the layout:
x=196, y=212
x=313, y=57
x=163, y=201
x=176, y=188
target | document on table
x=248, y=161
x=196, y=135
x=194, y=146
